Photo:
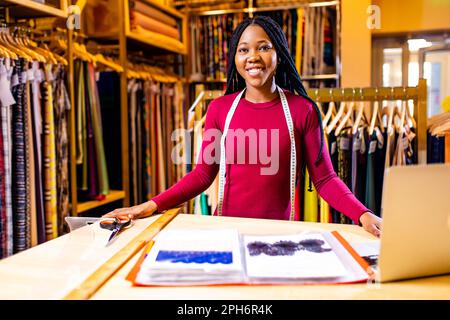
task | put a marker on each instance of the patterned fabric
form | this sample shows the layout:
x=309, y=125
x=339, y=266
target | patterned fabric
x=61, y=107
x=32, y=222
x=7, y=147
x=50, y=195
x=147, y=126
x=3, y=217
x=27, y=138
x=19, y=188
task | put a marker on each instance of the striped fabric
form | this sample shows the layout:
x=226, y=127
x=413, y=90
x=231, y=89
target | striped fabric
x=19, y=188
x=147, y=127
x=3, y=217
x=27, y=137
x=50, y=200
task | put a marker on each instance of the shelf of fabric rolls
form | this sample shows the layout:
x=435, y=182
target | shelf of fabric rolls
x=149, y=37
x=153, y=39
x=29, y=8
x=114, y=195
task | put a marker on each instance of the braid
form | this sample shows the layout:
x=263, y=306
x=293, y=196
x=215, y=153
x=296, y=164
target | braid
x=286, y=77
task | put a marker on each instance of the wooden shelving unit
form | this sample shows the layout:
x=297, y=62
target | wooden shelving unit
x=114, y=195
x=173, y=46
x=152, y=45
x=32, y=9
x=151, y=39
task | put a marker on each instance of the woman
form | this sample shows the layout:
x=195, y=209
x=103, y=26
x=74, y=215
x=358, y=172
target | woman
x=253, y=106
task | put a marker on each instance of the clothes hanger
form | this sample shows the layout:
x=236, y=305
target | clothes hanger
x=359, y=116
x=437, y=119
x=330, y=113
x=376, y=116
x=410, y=117
x=13, y=51
x=331, y=109
x=346, y=120
x=101, y=59
x=16, y=40
x=43, y=51
x=336, y=118
x=32, y=53
x=339, y=114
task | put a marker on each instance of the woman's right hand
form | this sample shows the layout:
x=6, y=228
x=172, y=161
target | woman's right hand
x=142, y=210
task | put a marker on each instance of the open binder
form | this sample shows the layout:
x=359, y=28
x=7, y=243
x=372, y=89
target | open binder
x=215, y=257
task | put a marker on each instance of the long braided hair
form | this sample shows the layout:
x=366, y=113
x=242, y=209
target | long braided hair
x=286, y=76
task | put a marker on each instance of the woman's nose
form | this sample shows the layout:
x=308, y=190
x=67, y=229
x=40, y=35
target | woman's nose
x=253, y=57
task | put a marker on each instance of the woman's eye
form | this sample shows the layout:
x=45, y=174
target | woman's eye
x=242, y=50
x=264, y=48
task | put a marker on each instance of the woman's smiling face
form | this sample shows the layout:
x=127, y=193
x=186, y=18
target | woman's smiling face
x=256, y=58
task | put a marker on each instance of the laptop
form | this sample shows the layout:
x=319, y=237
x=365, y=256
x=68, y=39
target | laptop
x=415, y=239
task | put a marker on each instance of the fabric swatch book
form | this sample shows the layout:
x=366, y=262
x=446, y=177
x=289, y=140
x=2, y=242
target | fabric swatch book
x=213, y=257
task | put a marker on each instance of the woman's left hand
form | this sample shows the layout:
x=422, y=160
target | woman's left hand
x=371, y=223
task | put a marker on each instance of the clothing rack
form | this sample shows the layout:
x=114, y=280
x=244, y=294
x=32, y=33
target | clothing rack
x=417, y=94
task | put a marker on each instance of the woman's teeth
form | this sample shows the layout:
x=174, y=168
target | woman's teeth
x=254, y=71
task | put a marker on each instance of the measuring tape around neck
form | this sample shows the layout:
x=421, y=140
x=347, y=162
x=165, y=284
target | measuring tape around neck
x=293, y=160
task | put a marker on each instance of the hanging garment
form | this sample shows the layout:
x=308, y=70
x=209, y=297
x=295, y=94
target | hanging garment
x=37, y=126
x=147, y=140
x=81, y=127
x=7, y=99
x=370, y=198
x=436, y=149
x=154, y=139
x=91, y=165
x=50, y=195
x=204, y=204
x=3, y=214
x=132, y=88
x=390, y=147
x=160, y=138
x=61, y=108
x=344, y=143
x=140, y=145
x=310, y=211
x=359, y=163
x=332, y=140
x=102, y=171
x=324, y=208
x=27, y=137
x=19, y=188
x=380, y=158
x=31, y=165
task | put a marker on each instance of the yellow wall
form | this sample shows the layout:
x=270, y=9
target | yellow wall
x=413, y=15
x=356, y=42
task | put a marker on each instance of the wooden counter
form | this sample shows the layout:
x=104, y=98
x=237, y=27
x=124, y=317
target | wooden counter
x=53, y=269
